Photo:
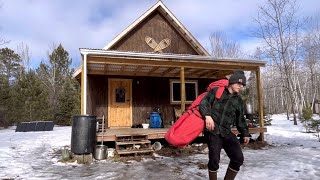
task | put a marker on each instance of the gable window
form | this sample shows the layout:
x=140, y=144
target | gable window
x=191, y=93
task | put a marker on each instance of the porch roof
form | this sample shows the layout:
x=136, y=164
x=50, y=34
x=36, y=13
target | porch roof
x=108, y=62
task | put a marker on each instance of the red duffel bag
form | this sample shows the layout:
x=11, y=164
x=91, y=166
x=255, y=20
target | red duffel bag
x=190, y=124
x=185, y=129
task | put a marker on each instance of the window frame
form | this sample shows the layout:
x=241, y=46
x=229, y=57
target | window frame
x=172, y=81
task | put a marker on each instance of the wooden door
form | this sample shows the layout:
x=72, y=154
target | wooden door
x=119, y=103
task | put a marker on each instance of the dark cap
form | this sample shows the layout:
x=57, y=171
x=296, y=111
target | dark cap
x=238, y=77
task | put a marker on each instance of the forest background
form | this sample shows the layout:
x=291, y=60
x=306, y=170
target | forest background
x=290, y=44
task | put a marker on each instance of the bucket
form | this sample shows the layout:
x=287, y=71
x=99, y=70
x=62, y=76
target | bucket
x=65, y=154
x=145, y=126
x=157, y=146
x=100, y=152
x=155, y=120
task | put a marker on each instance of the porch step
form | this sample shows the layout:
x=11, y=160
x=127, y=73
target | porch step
x=128, y=135
x=134, y=137
x=133, y=144
x=136, y=151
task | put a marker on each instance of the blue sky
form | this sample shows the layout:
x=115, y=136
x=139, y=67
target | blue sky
x=94, y=23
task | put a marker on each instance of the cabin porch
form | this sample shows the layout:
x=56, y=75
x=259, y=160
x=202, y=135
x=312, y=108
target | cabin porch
x=153, y=133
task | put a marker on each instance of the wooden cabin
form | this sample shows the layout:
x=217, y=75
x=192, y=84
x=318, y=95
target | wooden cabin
x=155, y=63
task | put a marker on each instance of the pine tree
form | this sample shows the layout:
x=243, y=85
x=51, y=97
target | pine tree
x=9, y=70
x=31, y=98
x=55, y=77
x=68, y=102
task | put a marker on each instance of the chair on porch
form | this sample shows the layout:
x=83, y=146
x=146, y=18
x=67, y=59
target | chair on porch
x=177, y=113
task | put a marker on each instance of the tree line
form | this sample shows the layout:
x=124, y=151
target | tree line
x=290, y=44
x=47, y=92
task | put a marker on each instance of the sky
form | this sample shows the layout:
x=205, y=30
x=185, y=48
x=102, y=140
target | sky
x=292, y=154
x=40, y=24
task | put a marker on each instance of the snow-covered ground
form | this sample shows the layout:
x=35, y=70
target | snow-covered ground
x=34, y=155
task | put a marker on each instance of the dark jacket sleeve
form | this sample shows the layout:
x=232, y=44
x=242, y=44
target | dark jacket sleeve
x=240, y=120
x=206, y=102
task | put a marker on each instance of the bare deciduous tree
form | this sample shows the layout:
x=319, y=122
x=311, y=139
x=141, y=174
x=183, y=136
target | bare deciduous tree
x=279, y=28
x=311, y=56
x=221, y=46
x=24, y=52
x=2, y=40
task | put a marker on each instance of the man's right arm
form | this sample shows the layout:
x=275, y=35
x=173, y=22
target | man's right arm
x=205, y=109
x=205, y=104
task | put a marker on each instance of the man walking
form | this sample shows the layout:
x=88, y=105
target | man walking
x=220, y=115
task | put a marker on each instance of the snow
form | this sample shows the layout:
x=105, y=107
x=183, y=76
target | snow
x=292, y=154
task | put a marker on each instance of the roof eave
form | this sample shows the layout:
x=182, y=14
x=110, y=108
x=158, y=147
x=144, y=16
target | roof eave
x=167, y=56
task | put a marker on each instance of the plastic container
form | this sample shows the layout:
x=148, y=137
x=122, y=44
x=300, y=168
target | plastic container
x=145, y=126
x=110, y=152
x=155, y=120
x=83, y=135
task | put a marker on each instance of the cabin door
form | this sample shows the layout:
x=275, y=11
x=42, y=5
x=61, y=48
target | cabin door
x=119, y=103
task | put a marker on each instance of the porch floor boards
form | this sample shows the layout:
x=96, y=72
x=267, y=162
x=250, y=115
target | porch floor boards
x=153, y=133
x=110, y=134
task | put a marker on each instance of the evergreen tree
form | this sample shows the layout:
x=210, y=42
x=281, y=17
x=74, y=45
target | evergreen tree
x=69, y=101
x=10, y=63
x=54, y=76
x=9, y=69
x=31, y=97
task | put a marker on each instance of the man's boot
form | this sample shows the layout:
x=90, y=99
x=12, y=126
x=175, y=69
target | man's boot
x=230, y=174
x=212, y=175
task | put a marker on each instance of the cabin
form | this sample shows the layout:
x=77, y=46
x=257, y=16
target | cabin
x=155, y=64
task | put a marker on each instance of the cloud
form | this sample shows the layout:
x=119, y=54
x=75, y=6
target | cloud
x=94, y=23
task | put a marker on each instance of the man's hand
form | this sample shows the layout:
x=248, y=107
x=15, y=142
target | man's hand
x=209, y=123
x=246, y=140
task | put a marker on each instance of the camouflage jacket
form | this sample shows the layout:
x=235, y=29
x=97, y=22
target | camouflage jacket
x=226, y=112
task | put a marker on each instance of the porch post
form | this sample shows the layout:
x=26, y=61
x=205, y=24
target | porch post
x=260, y=103
x=183, y=90
x=84, y=85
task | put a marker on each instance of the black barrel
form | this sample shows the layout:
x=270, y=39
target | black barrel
x=83, y=135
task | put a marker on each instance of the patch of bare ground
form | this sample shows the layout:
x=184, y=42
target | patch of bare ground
x=127, y=158
x=178, y=151
x=171, y=151
x=255, y=145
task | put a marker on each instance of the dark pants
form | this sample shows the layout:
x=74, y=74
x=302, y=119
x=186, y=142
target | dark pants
x=230, y=145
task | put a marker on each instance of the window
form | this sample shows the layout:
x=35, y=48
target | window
x=175, y=91
x=120, y=95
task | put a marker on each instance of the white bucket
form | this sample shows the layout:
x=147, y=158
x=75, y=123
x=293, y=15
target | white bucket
x=110, y=152
x=145, y=126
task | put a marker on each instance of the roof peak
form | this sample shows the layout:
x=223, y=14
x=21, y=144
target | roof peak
x=172, y=19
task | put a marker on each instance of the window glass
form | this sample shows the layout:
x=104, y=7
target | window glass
x=175, y=91
x=120, y=95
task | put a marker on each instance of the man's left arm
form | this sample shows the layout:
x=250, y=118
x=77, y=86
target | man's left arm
x=241, y=122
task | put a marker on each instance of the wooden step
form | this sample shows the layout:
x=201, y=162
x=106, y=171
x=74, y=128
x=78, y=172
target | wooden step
x=125, y=138
x=132, y=142
x=134, y=151
x=129, y=135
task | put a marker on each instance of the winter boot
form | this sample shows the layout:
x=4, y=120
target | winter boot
x=212, y=175
x=230, y=174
